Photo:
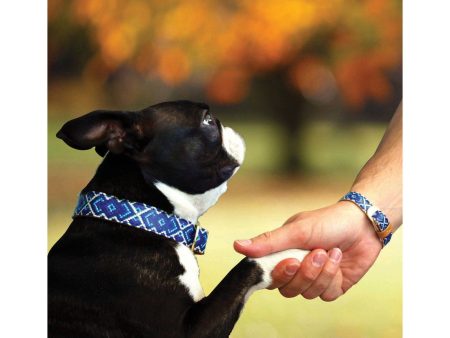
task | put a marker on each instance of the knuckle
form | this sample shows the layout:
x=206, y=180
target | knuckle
x=308, y=276
x=301, y=215
x=273, y=286
x=267, y=235
x=329, y=297
x=309, y=296
x=279, y=282
x=328, y=273
x=290, y=220
x=321, y=285
x=286, y=279
x=302, y=234
x=297, y=218
x=266, y=241
x=289, y=292
x=277, y=273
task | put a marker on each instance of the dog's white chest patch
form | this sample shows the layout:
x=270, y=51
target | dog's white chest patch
x=190, y=277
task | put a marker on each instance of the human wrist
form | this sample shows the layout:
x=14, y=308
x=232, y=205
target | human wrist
x=379, y=220
x=389, y=201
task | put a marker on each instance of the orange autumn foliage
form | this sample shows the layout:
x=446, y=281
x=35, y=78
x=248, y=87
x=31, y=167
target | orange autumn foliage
x=224, y=44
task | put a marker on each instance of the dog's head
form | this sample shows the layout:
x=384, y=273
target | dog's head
x=180, y=143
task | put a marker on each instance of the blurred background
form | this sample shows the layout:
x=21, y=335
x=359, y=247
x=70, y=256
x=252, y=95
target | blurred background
x=310, y=85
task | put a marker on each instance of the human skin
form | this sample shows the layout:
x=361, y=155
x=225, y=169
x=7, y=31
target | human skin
x=341, y=238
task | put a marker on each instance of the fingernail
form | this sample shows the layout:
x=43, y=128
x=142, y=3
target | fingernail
x=291, y=269
x=244, y=242
x=335, y=255
x=319, y=259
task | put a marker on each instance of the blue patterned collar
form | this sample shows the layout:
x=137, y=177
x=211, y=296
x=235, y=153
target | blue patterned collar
x=143, y=216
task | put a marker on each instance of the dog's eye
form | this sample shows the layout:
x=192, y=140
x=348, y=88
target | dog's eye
x=208, y=120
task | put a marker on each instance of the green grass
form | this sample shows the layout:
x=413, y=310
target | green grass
x=259, y=200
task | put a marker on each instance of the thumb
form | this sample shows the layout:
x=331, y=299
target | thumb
x=289, y=236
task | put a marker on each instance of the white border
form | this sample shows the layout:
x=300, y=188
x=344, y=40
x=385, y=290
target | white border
x=23, y=297
x=426, y=168
x=23, y=170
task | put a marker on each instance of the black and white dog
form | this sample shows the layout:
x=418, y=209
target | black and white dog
x=108, y=278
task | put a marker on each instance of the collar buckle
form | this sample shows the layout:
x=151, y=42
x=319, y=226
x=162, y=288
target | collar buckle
x=197, y=228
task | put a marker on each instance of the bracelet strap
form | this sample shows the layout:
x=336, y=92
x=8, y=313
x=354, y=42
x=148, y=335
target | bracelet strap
x=379, y=220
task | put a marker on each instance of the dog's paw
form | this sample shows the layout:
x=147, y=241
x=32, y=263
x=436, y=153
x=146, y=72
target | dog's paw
x=268, y=263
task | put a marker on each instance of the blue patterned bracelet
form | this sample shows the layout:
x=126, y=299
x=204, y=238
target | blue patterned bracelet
x=379, y=220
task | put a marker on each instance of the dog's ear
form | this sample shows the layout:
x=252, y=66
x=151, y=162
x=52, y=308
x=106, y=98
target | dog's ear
x=113, y=131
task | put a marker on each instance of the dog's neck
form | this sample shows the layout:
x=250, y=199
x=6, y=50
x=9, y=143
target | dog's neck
x=120, y=176
x=188, y=206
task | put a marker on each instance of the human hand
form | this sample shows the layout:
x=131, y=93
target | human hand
x=342, y=229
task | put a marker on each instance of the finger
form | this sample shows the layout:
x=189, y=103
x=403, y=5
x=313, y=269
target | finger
x=289, y=236
x=328, y=273
x=334, y=290
x=284, y=272
x=309, y=270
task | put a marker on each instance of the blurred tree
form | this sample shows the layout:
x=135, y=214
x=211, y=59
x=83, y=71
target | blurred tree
x=302, y=51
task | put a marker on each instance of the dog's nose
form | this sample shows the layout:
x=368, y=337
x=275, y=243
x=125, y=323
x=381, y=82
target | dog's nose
x=226, y=172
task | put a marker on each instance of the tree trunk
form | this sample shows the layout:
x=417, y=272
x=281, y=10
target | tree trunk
x=288, y=108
